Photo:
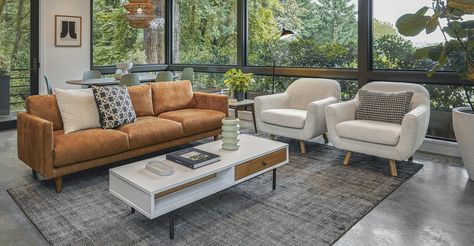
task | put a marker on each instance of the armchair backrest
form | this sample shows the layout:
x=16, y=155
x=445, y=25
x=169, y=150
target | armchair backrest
x=302, y=92
x=421, y=96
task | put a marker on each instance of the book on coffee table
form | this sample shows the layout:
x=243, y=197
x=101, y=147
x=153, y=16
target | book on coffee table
x=192, y=158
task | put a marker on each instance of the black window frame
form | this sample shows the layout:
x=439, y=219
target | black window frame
x=364, y=73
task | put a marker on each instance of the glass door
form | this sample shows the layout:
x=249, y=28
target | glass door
x=19, y=37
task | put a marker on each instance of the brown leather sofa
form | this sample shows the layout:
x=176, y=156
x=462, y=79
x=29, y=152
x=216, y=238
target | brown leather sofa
x=168, y=114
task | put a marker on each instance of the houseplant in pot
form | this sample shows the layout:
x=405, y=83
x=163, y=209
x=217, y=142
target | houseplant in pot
x=457, y=52
x=238, y=82
x=4, y=86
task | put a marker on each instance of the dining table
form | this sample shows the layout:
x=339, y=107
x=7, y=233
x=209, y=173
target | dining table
x=111, y=81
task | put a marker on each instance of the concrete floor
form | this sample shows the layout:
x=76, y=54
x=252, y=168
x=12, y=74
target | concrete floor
x=435, y=207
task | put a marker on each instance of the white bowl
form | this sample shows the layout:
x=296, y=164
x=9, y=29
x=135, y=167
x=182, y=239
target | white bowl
x=125, y=66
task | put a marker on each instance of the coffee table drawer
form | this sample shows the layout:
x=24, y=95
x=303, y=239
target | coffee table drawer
x=248, y=168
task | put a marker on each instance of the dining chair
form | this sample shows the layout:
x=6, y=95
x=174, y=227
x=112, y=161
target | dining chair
x=188, y=74
x=164, y=76
x=48, y=85
x=92, y=74
x=130, y=79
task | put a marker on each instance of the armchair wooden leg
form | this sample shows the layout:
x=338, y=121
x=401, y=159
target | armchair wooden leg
x=393, y=168
x=272, y=137
x=302, y=147
x=58, y=183
x=326, y=139
x=347, y=158
x=216, y=137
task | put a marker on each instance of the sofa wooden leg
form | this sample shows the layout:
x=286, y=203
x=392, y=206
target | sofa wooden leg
x=326, y=139
x=393, y=168
x=302, y=147
x=347, y=158
x=34, y=173
x=272, y=137
x=216, y=137
x=58, y=184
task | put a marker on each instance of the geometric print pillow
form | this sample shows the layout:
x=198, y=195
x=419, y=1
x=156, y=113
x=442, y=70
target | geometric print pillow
x=115, y=106
x=388, y=107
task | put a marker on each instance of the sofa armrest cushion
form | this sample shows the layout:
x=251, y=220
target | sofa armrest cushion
x=212, y=101
x=35, y=143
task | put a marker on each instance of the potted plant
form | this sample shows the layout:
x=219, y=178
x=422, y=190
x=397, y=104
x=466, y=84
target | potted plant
x=4, y=86
x=457, y=52
x=238, y=82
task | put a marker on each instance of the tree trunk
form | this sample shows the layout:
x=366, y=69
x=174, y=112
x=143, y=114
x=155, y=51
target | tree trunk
x=19, y=31
x=3, y=3
x=176, y=33
x=153, y=38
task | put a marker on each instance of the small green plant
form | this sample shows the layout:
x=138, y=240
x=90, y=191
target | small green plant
x=238, y=81
x=458, y=52
x=4, y=66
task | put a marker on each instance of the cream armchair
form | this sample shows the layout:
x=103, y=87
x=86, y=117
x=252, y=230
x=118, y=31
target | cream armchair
x=391, y=141
x=297, y=113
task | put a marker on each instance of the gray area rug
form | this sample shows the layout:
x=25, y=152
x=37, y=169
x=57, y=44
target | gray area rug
x=316, y=201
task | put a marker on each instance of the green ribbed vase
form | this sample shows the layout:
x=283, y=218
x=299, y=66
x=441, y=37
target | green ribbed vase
x=230, y=134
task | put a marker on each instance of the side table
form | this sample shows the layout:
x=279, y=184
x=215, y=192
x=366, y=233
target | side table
x=245, y=105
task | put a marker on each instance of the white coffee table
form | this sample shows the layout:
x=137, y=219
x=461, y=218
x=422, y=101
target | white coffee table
x=154, y=195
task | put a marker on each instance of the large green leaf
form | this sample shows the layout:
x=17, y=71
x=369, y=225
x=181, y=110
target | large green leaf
x=411, y=25
x=422, y=11
x=432, y=24
x=467, y=24
x=422, y=52
x=436, y=53
x=467, y=6
x=455, y=30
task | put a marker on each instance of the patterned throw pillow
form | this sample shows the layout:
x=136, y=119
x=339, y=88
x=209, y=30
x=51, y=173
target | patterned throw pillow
x=115, y=106
x=384, y=106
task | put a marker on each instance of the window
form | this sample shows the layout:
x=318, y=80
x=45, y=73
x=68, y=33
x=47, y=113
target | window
x=114, y=41
x=394, y=51
x=443, y=99
x=15, y=51
x=205, y=32
x=326, y=33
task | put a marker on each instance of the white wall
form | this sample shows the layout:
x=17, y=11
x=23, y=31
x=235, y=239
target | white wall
x=63, y=63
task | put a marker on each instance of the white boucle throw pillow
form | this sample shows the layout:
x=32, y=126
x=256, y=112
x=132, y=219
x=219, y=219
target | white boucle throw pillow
x=78, y=109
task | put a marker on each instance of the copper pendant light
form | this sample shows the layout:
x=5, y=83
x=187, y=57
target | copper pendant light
x=140, y=13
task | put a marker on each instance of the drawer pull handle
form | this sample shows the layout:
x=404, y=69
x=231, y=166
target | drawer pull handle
x=264, y=163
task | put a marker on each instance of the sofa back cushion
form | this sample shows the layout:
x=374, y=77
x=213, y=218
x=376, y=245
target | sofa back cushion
x=170, y=96
x=141, y=99
x=45, y=107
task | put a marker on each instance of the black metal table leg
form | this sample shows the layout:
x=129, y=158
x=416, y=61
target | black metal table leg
x=274, y=178
x=132, y=210
x=171, y=226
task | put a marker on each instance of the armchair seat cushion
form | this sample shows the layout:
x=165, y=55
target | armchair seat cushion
x=291, y=118
x=195, y=121
x=370, y=131
x=147, y=131
x=87, y=145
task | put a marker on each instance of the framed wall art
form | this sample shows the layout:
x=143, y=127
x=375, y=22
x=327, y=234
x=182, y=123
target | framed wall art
x=68, y=31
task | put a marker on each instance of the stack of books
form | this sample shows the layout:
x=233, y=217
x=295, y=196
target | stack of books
x=193, y=158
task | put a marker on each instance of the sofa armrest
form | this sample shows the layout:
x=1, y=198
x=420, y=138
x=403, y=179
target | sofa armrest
x=414, y=128
x=35, y=143
x=315, y=116
x=337, y=113
x=212, y=101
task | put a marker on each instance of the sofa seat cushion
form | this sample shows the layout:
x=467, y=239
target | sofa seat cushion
x=370, y=131
x=147, y=131
x=196, y=121
x=291, y=118
x=87, y=145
